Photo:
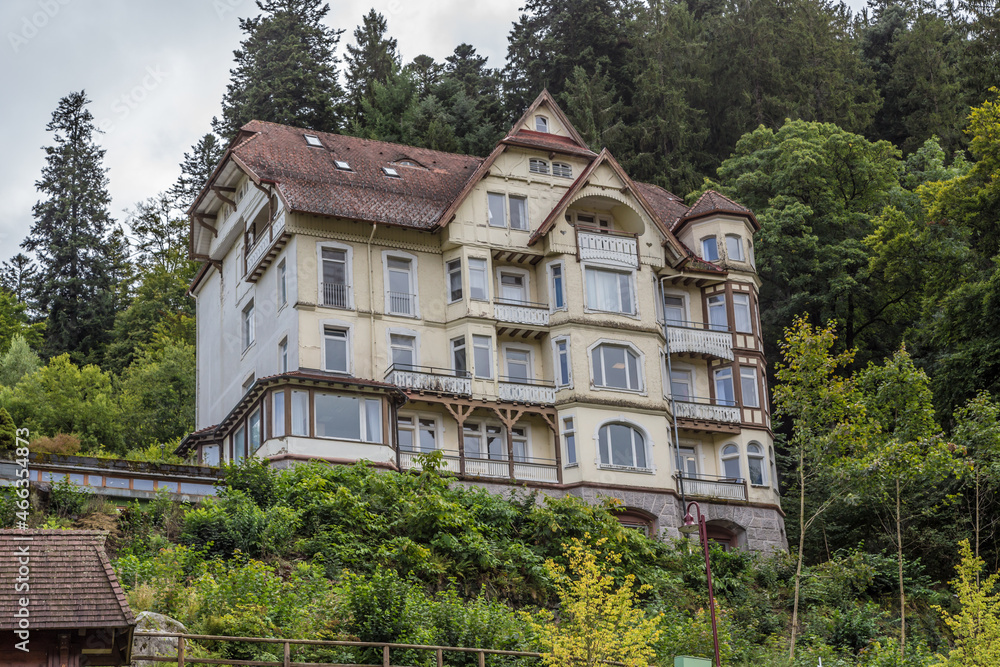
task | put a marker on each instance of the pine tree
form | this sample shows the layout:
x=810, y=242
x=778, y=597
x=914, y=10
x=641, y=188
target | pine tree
x=286, y=69
x=372, y=60
x=75, y=289
x=18, y=276
x=426, y=73
x=196, y=169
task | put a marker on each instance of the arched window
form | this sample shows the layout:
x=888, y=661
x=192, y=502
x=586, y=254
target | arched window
x=731, y=462
x=756, y=465
x=734, y=247
x=616, y=366
x=774, y=469
x=621, y=445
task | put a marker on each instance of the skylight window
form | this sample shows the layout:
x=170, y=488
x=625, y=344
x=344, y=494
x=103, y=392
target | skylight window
x=313, y=140
x=343, y=166
x=390, y=172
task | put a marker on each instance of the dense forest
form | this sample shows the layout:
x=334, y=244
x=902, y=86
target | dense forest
x=867, y=144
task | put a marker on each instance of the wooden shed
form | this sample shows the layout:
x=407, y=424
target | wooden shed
x=60, y=594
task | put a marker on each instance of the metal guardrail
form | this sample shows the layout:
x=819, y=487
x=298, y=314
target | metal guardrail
x=336, y=295
x=713, y=486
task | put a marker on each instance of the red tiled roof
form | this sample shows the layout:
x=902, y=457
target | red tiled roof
x=712, y=202
x=547, y=142
x=309, y=181
x=72, y=583
x=667, y=205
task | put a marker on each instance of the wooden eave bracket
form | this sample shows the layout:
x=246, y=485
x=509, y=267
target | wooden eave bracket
x=220, y=189
x=201, y=217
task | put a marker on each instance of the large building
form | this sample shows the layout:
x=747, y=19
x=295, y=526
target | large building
x=536, y=316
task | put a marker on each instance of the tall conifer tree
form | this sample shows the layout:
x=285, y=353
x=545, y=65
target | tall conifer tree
x=373, y=60
x=70, y=236
x=286, y=69
x=196, y=168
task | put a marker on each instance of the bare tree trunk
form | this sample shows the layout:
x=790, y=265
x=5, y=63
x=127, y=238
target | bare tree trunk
x=902, y=592
x=798, y=567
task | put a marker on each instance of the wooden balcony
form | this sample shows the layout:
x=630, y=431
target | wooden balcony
x=523, y=390
x=429, y=378
x=527, y=469
x=704, y=414
x=697, y=338
x=711, y=486
x=265, y=248
x=607, y=247
x=521, y=312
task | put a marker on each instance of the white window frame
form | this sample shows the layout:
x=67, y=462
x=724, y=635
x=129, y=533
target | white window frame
x=550, y=275
x=414, y=282
x=363, y=435
x=485, y=271
x=513, y=270
x=348, y=271
x=756, y=386
x=715, y=383
x=506, y=348
x=739, y=246
x=698, y=456
x=449, y=273
x=725, y=311
x=342, y=325
x=283, y=364
x=564, y=433
x=685, y=305
x=465, y=352
x=588, y=308
x=490, y=348
x=248, y=324
x=565, y=169
x=689, y=372
x=543, y=121
x=646, y=441
x=410, y=333
x=417, y=417
x=537, y=165
x=704, y=253
x=489, y=213
x=527, y=442
x=640, y=366
x=556, y=370
x=527, y=217
x=737, y=297
x=282, y=278
x=762, y=457
x=276, y=422
x=738, y=457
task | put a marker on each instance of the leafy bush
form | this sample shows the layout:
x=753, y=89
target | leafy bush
x=8, y=434
x=64, y=444
x=67, y=499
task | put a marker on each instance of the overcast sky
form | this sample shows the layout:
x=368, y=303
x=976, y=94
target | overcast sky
x=156, y=72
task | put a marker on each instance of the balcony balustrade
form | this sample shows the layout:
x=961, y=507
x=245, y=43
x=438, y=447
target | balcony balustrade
x=706, y=409
x=336, y=295
x=400, y=303
x=525, y=469
x=711, y=486
x=524, y=390
x=609, y=247
x=264, y=243
x=521, y=312
x=429, y=378
x=700, y=338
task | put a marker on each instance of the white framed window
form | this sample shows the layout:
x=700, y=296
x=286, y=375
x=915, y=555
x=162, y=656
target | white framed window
x=774, y=468
x=342, y=165
x=622, y=445
x=717, y=318
x=710, y=249
x=282, y=284
x=518, y=363
x=283, y=355
x=682, y=384
x=609, y=291
x=240, y=444
x=391, y=172
x=563, y=369
x=459, y=361
x=497, y=209
x=674, y=309
x=400, y=275
x=557, y=286
x=734, y=247
x=454, y=270
x=248, y=383
x=724, y=394
x=278, y=413
x=313, y=140
x=335, y=275
x=336, y=349
x=537, y=166
x=253, y=432
x=403, y=351
x=520, y=443
x=496, y=442
x=518, y=212
x=741, y=313
x=616, y=366
x=417, y=433
x=748, y=387
x=562, y=170
x=731, y=462
x=541, y=124
x=687, y=461
x=513, y=285
x=300, y=412
x=756, y=465
x=569, y=437
x=753, y=261
x=482, y=357
x=210, y=455
x=248, y=325
x=348, y=417
x=478, y=283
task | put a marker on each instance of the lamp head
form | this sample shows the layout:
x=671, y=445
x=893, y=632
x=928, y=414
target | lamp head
x=689, y=526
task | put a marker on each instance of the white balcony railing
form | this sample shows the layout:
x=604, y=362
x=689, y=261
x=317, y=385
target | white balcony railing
x=726, y=488
x=336, y=295
x=521, y=312
x=427, y=378
x=707, y=411
x=528, y=470
x=526, y=391
x=263, y=243
x=608, y=248
x=700, y=341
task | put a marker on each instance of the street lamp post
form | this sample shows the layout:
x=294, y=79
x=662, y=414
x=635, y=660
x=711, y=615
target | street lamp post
x=691, y=527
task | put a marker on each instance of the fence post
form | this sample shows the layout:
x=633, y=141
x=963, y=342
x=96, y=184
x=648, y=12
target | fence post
x=180, y=652
x=385, y=656
x=288, y=654
x=440, y=657
x=482, y=659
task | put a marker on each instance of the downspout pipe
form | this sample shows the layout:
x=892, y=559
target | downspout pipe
x=673, y=409
x=371, y=302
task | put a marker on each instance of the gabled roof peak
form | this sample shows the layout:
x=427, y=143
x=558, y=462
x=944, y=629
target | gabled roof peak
x=523, y=129
x=711, y=202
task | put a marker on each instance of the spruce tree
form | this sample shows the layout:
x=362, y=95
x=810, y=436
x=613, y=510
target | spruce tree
x=70, y=236
x=372, y=60
x=196, y=169
x=286, y=70
x=18, y=276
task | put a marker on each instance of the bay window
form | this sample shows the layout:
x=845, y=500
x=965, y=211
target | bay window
x=748, y=387
x=609, y=291
x=348, y=417
x=621, y=445
x=724, y=394
x=617, y=367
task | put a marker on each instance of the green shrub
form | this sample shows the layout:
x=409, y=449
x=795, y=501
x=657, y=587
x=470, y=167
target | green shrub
x=67, y=499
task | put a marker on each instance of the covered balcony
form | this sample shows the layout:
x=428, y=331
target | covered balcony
x=430, y=378
x=712, y=486
x=698, y=338
x=264, y=243
x=707, y=414
x=511, y=311
x=525, y=390
x=607, y=246
x=521, y=469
